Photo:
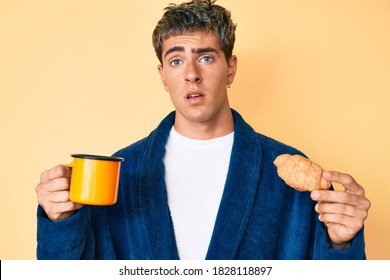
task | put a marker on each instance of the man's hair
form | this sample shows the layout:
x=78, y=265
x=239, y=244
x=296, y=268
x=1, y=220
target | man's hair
x=196, y=15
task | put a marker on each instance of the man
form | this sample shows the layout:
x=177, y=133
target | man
x=202, y=185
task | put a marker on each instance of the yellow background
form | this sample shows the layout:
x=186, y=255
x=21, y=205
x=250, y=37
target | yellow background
x=81, y=77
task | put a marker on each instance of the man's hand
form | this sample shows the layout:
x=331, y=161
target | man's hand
x=343, y=212
x=53, y=193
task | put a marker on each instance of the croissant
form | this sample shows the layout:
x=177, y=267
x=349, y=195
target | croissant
x=300, y=173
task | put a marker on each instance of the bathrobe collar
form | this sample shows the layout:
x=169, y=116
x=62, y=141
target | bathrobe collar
x=236, y=203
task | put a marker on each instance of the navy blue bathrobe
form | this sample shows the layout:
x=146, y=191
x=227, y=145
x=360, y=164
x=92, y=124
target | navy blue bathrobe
x=259, y=217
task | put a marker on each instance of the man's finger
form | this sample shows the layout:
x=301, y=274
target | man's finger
x=344, y=179
x=58, y=171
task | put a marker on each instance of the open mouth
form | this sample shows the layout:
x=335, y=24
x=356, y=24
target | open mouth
x=194, y=95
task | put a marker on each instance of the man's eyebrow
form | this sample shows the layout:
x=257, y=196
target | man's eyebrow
x=197, y=51
x=174, y=49
x=204, y=50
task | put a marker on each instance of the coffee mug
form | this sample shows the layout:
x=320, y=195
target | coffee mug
x=94, y=179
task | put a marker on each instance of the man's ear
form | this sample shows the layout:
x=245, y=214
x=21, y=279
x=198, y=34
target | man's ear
x=161, y=72
x=232, y=68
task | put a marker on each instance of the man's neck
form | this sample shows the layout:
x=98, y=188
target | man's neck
x=205, y=130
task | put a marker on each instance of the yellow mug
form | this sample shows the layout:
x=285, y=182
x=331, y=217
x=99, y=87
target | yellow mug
x=94, y=179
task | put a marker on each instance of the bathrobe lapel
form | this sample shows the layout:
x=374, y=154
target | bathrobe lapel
x=236, y=204
x=239, y=193
x=153, y=194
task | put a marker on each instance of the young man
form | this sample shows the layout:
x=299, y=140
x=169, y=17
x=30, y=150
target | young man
x=202, y=185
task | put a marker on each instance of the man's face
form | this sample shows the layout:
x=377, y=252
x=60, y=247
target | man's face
x=195, y=73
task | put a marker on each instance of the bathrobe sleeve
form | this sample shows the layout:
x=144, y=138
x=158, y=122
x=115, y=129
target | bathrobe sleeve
x=65, y=240
x=324, y=251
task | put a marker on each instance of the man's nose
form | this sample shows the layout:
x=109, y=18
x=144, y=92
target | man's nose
x=192, y=73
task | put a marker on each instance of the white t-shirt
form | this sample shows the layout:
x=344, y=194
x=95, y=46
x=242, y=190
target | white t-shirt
x=195, y=175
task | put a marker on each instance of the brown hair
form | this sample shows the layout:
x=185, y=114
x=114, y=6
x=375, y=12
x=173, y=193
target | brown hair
x=196, y=15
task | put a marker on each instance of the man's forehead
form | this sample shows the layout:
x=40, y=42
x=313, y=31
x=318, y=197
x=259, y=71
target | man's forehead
x=194, y=39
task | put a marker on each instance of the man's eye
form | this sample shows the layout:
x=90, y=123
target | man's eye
x=207, y=59
x=175, y=62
